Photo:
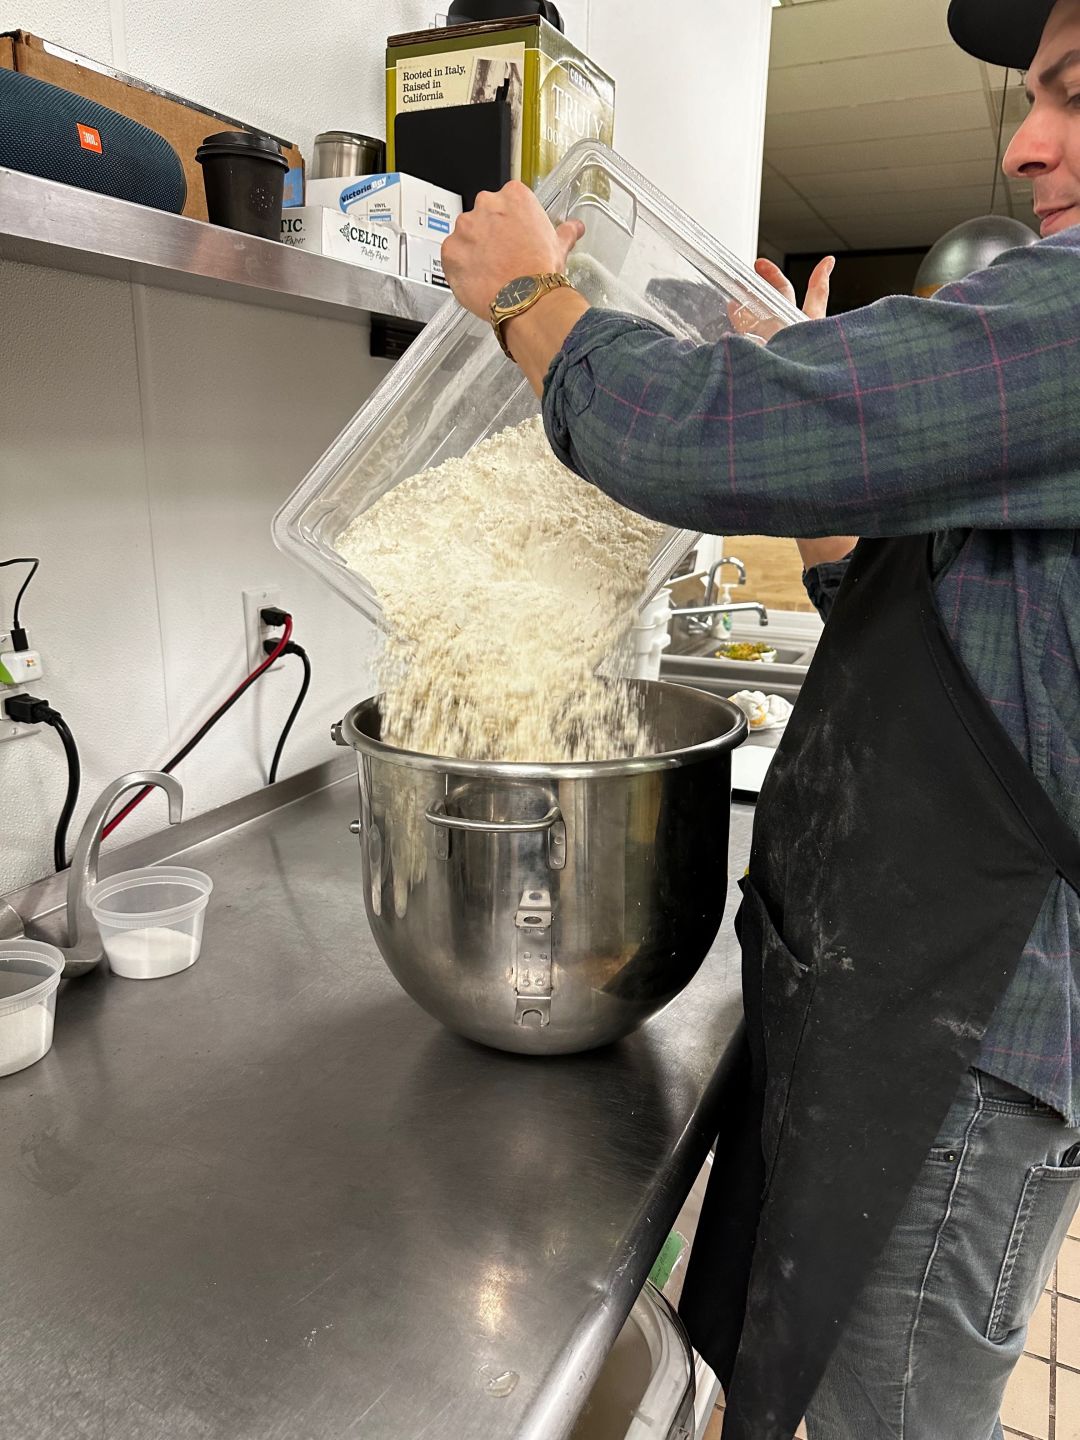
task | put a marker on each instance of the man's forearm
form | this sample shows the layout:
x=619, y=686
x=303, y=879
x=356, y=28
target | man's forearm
x=536, y=337
x=822, y=552
x=886, y=421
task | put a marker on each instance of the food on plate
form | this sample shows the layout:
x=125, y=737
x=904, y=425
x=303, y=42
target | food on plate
x=746, y=650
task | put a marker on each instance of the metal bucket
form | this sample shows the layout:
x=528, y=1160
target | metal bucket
x=549, y=909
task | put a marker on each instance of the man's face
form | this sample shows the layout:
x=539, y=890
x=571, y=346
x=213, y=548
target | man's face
x=1046, y=148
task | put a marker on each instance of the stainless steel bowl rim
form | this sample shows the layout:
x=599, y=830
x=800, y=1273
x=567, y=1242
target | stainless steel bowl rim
x=560, y=770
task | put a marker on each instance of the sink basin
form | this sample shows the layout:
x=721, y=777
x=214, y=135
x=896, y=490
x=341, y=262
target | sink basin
x=691, y=661
x=706, y=645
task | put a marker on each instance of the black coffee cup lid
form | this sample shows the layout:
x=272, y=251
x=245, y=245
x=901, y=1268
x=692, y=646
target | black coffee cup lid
x=241, y=142
x=464, y=12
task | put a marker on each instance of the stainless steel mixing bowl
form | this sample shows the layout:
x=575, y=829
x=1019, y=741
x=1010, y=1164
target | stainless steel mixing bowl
x=549, y=909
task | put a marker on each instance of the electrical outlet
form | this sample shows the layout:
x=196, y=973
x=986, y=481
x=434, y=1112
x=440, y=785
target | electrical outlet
x=255, y=631
x=12, y=729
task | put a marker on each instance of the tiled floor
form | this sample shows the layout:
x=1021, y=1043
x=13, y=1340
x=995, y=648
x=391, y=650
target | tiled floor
x=1043, y=1399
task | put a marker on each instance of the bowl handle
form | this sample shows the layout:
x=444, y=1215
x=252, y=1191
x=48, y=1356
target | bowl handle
x=551, y=822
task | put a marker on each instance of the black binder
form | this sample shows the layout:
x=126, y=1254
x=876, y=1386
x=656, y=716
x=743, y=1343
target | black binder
x=463, y=148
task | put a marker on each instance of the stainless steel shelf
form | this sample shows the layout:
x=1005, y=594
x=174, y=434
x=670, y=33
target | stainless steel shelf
x=59, y=226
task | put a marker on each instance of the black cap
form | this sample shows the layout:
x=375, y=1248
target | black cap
x=464, y=12
x=1001, y=32
x=241, y=142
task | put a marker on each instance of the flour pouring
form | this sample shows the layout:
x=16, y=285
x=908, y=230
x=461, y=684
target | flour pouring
x=531, y=579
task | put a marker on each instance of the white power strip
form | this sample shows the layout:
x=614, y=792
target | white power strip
x=19, y=669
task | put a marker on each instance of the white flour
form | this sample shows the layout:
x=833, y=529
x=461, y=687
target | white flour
x=505, y=581
x=151, y=953
x=25, y=1036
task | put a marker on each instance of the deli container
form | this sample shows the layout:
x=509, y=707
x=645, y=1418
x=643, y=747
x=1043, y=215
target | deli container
x=30, y=974
x=151, y=920
x=646, y=1388
x=454, y=387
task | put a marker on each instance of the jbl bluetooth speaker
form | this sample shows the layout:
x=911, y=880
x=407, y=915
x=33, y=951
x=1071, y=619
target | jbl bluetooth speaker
x=50, y=132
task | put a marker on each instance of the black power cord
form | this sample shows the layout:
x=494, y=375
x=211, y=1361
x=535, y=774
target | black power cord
x=18, y=634
x=290, y=649
x=29, y=710
x=71, y=799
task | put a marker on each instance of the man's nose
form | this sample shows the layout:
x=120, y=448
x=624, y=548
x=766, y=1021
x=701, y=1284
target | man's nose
x=1034, y=149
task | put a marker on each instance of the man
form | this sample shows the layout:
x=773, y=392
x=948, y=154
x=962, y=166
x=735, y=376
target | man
x=900, y=1152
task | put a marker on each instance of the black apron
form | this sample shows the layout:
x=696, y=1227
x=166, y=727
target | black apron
x=902, y=851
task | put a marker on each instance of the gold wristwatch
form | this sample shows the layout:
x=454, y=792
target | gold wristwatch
x=521, y=295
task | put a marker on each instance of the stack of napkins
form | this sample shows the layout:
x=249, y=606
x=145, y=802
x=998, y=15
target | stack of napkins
x=394, y=223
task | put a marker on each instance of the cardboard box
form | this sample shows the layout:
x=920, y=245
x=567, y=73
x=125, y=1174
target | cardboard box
x=183, y=124
x=421, y=259
x=409, y=206
x=557, y=95
x=322, y=231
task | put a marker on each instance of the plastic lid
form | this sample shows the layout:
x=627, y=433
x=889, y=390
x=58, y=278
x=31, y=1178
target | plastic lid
x=176, y=877
x=241, y=142
x=33, y=962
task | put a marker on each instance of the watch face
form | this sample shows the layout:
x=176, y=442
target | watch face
x=517, y=292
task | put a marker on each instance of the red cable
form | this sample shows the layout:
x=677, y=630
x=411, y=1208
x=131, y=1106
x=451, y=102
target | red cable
x=167, y=769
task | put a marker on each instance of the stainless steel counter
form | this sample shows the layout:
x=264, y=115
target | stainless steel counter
x=270, y=1199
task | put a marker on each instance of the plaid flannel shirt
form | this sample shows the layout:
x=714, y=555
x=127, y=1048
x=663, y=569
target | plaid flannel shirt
x=958, y=417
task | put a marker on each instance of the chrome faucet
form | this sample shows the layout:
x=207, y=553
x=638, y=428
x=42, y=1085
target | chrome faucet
x=83, y=949
x=710, y=584
x=694, y=616
x=727, y=608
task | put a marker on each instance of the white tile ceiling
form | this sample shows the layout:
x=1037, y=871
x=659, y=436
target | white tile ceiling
x=879, y=133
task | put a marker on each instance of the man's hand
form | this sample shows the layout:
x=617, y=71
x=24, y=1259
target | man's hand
x=816, y=304
x=746, y=319
x=508, y=234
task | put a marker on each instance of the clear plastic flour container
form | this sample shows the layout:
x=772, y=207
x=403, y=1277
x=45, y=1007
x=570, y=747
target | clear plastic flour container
x=454, y=387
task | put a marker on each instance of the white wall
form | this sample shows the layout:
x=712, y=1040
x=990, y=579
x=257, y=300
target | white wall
x=291, y=68
x=691, y=78
x=690, y=111
x=148, y=437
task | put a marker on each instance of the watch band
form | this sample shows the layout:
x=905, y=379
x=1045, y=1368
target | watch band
x=545, y=284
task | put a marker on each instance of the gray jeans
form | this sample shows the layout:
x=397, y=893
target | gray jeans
x=934, y=1337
